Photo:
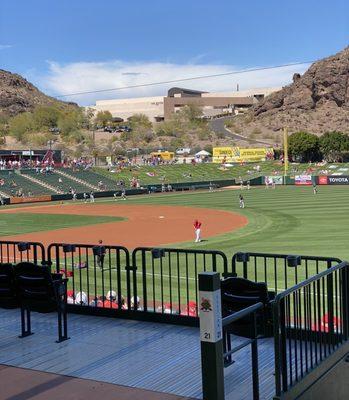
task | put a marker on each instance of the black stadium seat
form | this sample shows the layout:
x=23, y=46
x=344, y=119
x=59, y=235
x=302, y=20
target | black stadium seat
x=240, y=293
x=43, y=292
x=8, y=289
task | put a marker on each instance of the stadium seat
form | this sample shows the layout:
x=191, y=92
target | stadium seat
x=8, y=292
x=238, y=294
x=43, y=292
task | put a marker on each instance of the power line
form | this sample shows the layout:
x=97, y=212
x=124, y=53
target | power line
x=186, y=79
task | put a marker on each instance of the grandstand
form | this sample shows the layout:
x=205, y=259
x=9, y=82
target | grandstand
x=90, y=177
x=14, y=183
x=62, y=184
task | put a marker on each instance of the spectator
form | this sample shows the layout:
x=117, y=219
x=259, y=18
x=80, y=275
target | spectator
x=135, y=303
x=70, y=297
x=110, y=301
x=81, y=299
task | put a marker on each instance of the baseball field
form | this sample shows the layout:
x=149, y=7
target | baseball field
x=287, y=219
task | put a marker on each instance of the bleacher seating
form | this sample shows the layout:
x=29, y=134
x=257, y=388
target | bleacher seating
x=13, y=182
x=53, y=178
x=91, y=177
x=34, y=288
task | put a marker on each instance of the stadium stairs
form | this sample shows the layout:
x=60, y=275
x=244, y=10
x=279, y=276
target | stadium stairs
x=43, y=184
x=52, y=180
x=76, y=178
x=88, y=177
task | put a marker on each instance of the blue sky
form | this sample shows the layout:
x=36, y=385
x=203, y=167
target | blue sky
x=66, y=46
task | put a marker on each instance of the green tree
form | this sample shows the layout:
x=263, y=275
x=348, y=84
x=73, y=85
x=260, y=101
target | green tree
x=103, y=118
x=191, y=113
x=304, y=146
x=70, y=122
x=40, y=139
x=45, y=117
x=140, y=121
x=20, y=126
x=334, y=145
x=142, y=129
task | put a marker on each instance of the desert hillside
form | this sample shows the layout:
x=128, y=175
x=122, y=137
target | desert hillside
x=317, y=101
x=18, y=95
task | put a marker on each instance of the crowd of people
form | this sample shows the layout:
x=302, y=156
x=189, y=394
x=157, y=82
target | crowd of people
x=6, y=164
x=84, y=163
x=111, y=301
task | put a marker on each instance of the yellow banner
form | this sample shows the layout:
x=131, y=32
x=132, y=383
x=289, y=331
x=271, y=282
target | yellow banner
x=236, y=154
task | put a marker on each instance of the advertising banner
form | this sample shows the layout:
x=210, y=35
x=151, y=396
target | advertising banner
x=17, y=200
x=323, y=180
x=303, y=180
x=338, y=180
x=237, y=154
x=277, y=180
x=220, y=154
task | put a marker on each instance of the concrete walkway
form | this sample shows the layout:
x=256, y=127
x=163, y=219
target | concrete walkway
x=26, y=384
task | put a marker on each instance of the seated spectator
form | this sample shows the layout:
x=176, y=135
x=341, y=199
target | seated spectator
x=110, y=301
x=81, y=299
x=190, y=309
x=95, y=302
x=135, y=303
x=167, y=309
x=70, y=297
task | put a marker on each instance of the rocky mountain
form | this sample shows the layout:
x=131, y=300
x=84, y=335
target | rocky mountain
x=18, y=95
x=317, y=101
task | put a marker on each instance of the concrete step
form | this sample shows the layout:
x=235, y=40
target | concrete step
x=95, y=188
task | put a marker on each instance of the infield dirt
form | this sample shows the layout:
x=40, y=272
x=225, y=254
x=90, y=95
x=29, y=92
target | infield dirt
x=145, y=225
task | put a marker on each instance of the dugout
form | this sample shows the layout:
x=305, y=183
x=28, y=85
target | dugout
x=31, y=155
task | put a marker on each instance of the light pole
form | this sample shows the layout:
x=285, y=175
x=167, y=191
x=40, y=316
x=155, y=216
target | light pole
x=285, y=151
x=94, y=142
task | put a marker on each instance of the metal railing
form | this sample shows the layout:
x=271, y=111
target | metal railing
x=16, y=251
x=250, y=312
x=311, y=321
x=169, y=277
x=310, y=310
x=275, y=271
x=215, y=331
x=156, y=283
x=98, y=276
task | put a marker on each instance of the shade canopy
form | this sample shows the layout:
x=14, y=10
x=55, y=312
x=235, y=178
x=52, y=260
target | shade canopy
x=203, y=153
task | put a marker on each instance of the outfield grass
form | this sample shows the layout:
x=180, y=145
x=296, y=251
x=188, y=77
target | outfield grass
x=289, y=219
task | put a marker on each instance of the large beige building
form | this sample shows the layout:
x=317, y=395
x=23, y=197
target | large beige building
x=160, y=108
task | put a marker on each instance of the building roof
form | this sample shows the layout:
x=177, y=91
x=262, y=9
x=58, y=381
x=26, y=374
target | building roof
x=184, y=92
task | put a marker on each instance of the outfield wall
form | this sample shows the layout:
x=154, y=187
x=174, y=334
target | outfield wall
x=301, y=180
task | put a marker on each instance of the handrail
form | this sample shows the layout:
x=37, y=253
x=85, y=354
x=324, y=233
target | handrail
x=314, y=278
x=173, y=249
x=310, y=323
x=319, y=258
x=241, y=314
